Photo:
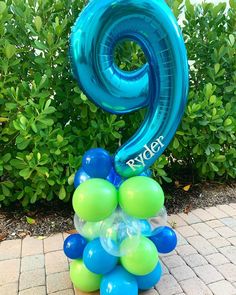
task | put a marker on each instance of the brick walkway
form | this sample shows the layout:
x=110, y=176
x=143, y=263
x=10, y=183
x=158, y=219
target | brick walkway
x=204, y=262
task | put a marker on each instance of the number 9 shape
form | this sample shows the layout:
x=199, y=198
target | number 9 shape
x=161, y=85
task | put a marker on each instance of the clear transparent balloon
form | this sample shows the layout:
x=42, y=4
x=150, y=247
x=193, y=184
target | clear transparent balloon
x=155, y=224
x=89, y=230
x=118, y=228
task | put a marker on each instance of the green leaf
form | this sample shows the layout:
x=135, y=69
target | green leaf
x=232, y=4
x=213, y=128
x=92, y=107
x=83, y=96
x=34, y=128
x=161, y=172
x=49, y=110
x=62, y=193
x=25, y=173
x=2, y=197
x=38, y=23
x=196, y=148
x=180, y=133
x=42, y=170
x=119, y=124
x=116, y=134
x=11, y=106
x=23, y=120
x=3, y=7
x=217, y=68
x=39, y=156
x=71, y=179
x=46, y=121
x=19, y=164
x=228, y=122
x=33, y=199
x=190, y=7
x=51, y=182
x=10, y=50
x=6, y=191
x=58, y=152
x=214, y=167
x=208, y=90
x=167, y=179
x=2, y=120
x=47, y=104
x=59, y=138
x=30, y=220
x=8, y=184
x=40, y=45
x=176, y=143
x=231, y=39
x=212, y=99
x=6, y=157
x=220, y=158
x=23, y=145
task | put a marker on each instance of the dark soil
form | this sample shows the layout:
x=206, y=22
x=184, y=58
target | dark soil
x=41, y=220
x=50, y=218
x=201, y=195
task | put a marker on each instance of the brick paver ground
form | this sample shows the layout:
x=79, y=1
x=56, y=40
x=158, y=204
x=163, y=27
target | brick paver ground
x=204, y=262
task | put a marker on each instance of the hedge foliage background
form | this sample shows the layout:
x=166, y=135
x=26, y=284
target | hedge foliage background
x=47, y=123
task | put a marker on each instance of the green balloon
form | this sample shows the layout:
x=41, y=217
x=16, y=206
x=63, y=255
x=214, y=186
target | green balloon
x=141, y=197
x=95, y=199
x=143, y=259
x=82, y=278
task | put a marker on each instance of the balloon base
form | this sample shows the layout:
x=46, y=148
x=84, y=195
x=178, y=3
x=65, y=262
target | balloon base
x=78, y=292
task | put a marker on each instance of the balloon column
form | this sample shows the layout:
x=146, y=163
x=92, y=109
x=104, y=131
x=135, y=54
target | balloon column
x=119, y=209
x=121, y=229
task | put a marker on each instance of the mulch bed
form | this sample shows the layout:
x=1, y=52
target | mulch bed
x=43, y=220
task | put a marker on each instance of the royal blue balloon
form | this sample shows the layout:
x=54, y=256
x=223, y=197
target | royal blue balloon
x=119, y=282
x=97, y=163
x=115, y=178
x=165, y=240
x=161, y=85
x=80, y=177
x=97, y=260
x=74, y=246
x=148, y=281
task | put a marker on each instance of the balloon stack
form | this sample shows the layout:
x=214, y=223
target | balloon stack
x=121, y=226
x=119, y=209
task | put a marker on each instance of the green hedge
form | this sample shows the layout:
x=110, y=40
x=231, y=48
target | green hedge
x=47, y=123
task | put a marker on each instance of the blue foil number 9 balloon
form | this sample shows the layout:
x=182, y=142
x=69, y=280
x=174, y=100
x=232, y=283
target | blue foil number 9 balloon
x=161, y=85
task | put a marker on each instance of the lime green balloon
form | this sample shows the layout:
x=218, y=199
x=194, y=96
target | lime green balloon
x=82, y=278
x=143, y=259
x=141, y=197
x=95, y=199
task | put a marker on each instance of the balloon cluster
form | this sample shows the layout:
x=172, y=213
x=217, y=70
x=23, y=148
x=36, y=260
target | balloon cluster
x=121, y=226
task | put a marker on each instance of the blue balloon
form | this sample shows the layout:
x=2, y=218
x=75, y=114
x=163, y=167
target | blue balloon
x=97, y=260
x=146, y=228
x=97, y=163
x=115, y=178
x=147, y=173
x=165, y=240
x=74, y=246
x=119, y=282
x=161, y=85
x=80, y=177
x=148, y=281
